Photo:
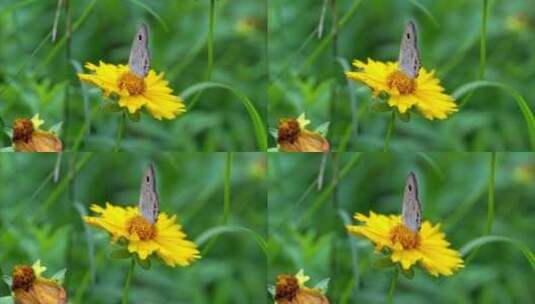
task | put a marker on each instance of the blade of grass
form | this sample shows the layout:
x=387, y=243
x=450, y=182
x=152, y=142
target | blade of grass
x=346, y=67
x=226, y=199
x=54, y=52
x=151, y=12
x=327, y=40
x=433, y=164
x=77, y=67
x=4, y=289
x=521, y=102
x=224, y=229
x=84, y=130
x=480, y=241
x=5, y=139
x=492, y=186
x=60, y=188
x=483, y=40
x=346, y=219
x=227, y=185
x=210, y=52
x=482, y=47
x=426, y=12
x=490, y=201
x=326, y=193
x=260, y=130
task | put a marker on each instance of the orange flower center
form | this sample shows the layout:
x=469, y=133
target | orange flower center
x=289, y=130
x=286, y=288
x=406, y=237
x=22, y=129
x=403, y=83
x=134, y=84
x=140, y=226
x=23, y=277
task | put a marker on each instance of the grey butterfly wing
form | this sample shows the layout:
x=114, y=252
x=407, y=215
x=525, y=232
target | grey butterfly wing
x=149, y=202
x=412, y=209
x=139, y=60
x=409, y=55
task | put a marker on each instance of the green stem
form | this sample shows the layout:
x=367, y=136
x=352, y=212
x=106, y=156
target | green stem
x=482, y=48
x=128, y=281
x=4, y=139
x=210, y=46
x=389, y=131
x=483, y=40
x=120, y=132
x=490, y=202
x=66, y=102
x=393, y=283
x=210, y=52
x=227, y=186
x=226, y=200
x=4, y=289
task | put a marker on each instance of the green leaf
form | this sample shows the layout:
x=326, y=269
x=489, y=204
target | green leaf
x=273, y=149
x=476, y=243
x=56, y=129
x=111, y=107
x=7, y=149
x=323, y=285
x=323, y=129
x=380, y=107
x=122, y=242
x=9, y=132
x=215, y=231
x=8, y=280
x=134, y=116
x=408, y=273
x=151, y=12
x=274, y=132
x=256, y=120
x=383, y=263
x=145, y=264
x=272, y=290
x=60, y=276
x=520, y=101
x=122, y=253
x=405, y=117
x=6, y=300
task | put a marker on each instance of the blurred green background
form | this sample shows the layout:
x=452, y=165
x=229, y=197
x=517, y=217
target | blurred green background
x=307, y=226
x=306, y=73
x=37, y=75
x=41, y=219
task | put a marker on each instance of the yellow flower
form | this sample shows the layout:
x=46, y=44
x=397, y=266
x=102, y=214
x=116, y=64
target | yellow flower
x=294, y=137
x=27, y=137
x=29, y=287
x=424, y=92
x=291, y=289
x=151, y=92
x=428, y=246
x=164, y=238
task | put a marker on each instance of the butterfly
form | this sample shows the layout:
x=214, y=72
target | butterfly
x=409, y=55
x=149, y=203
x=139, y=60
x=412, y=209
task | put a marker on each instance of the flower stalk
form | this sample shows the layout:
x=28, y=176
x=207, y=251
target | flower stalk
x=128, y=281
x=389, y=131
x=393, y=283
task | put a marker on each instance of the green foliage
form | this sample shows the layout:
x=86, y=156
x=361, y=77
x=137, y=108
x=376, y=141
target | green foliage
x=462, y=41
x=41, y=218
x=191, y=42
x=307, y=225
